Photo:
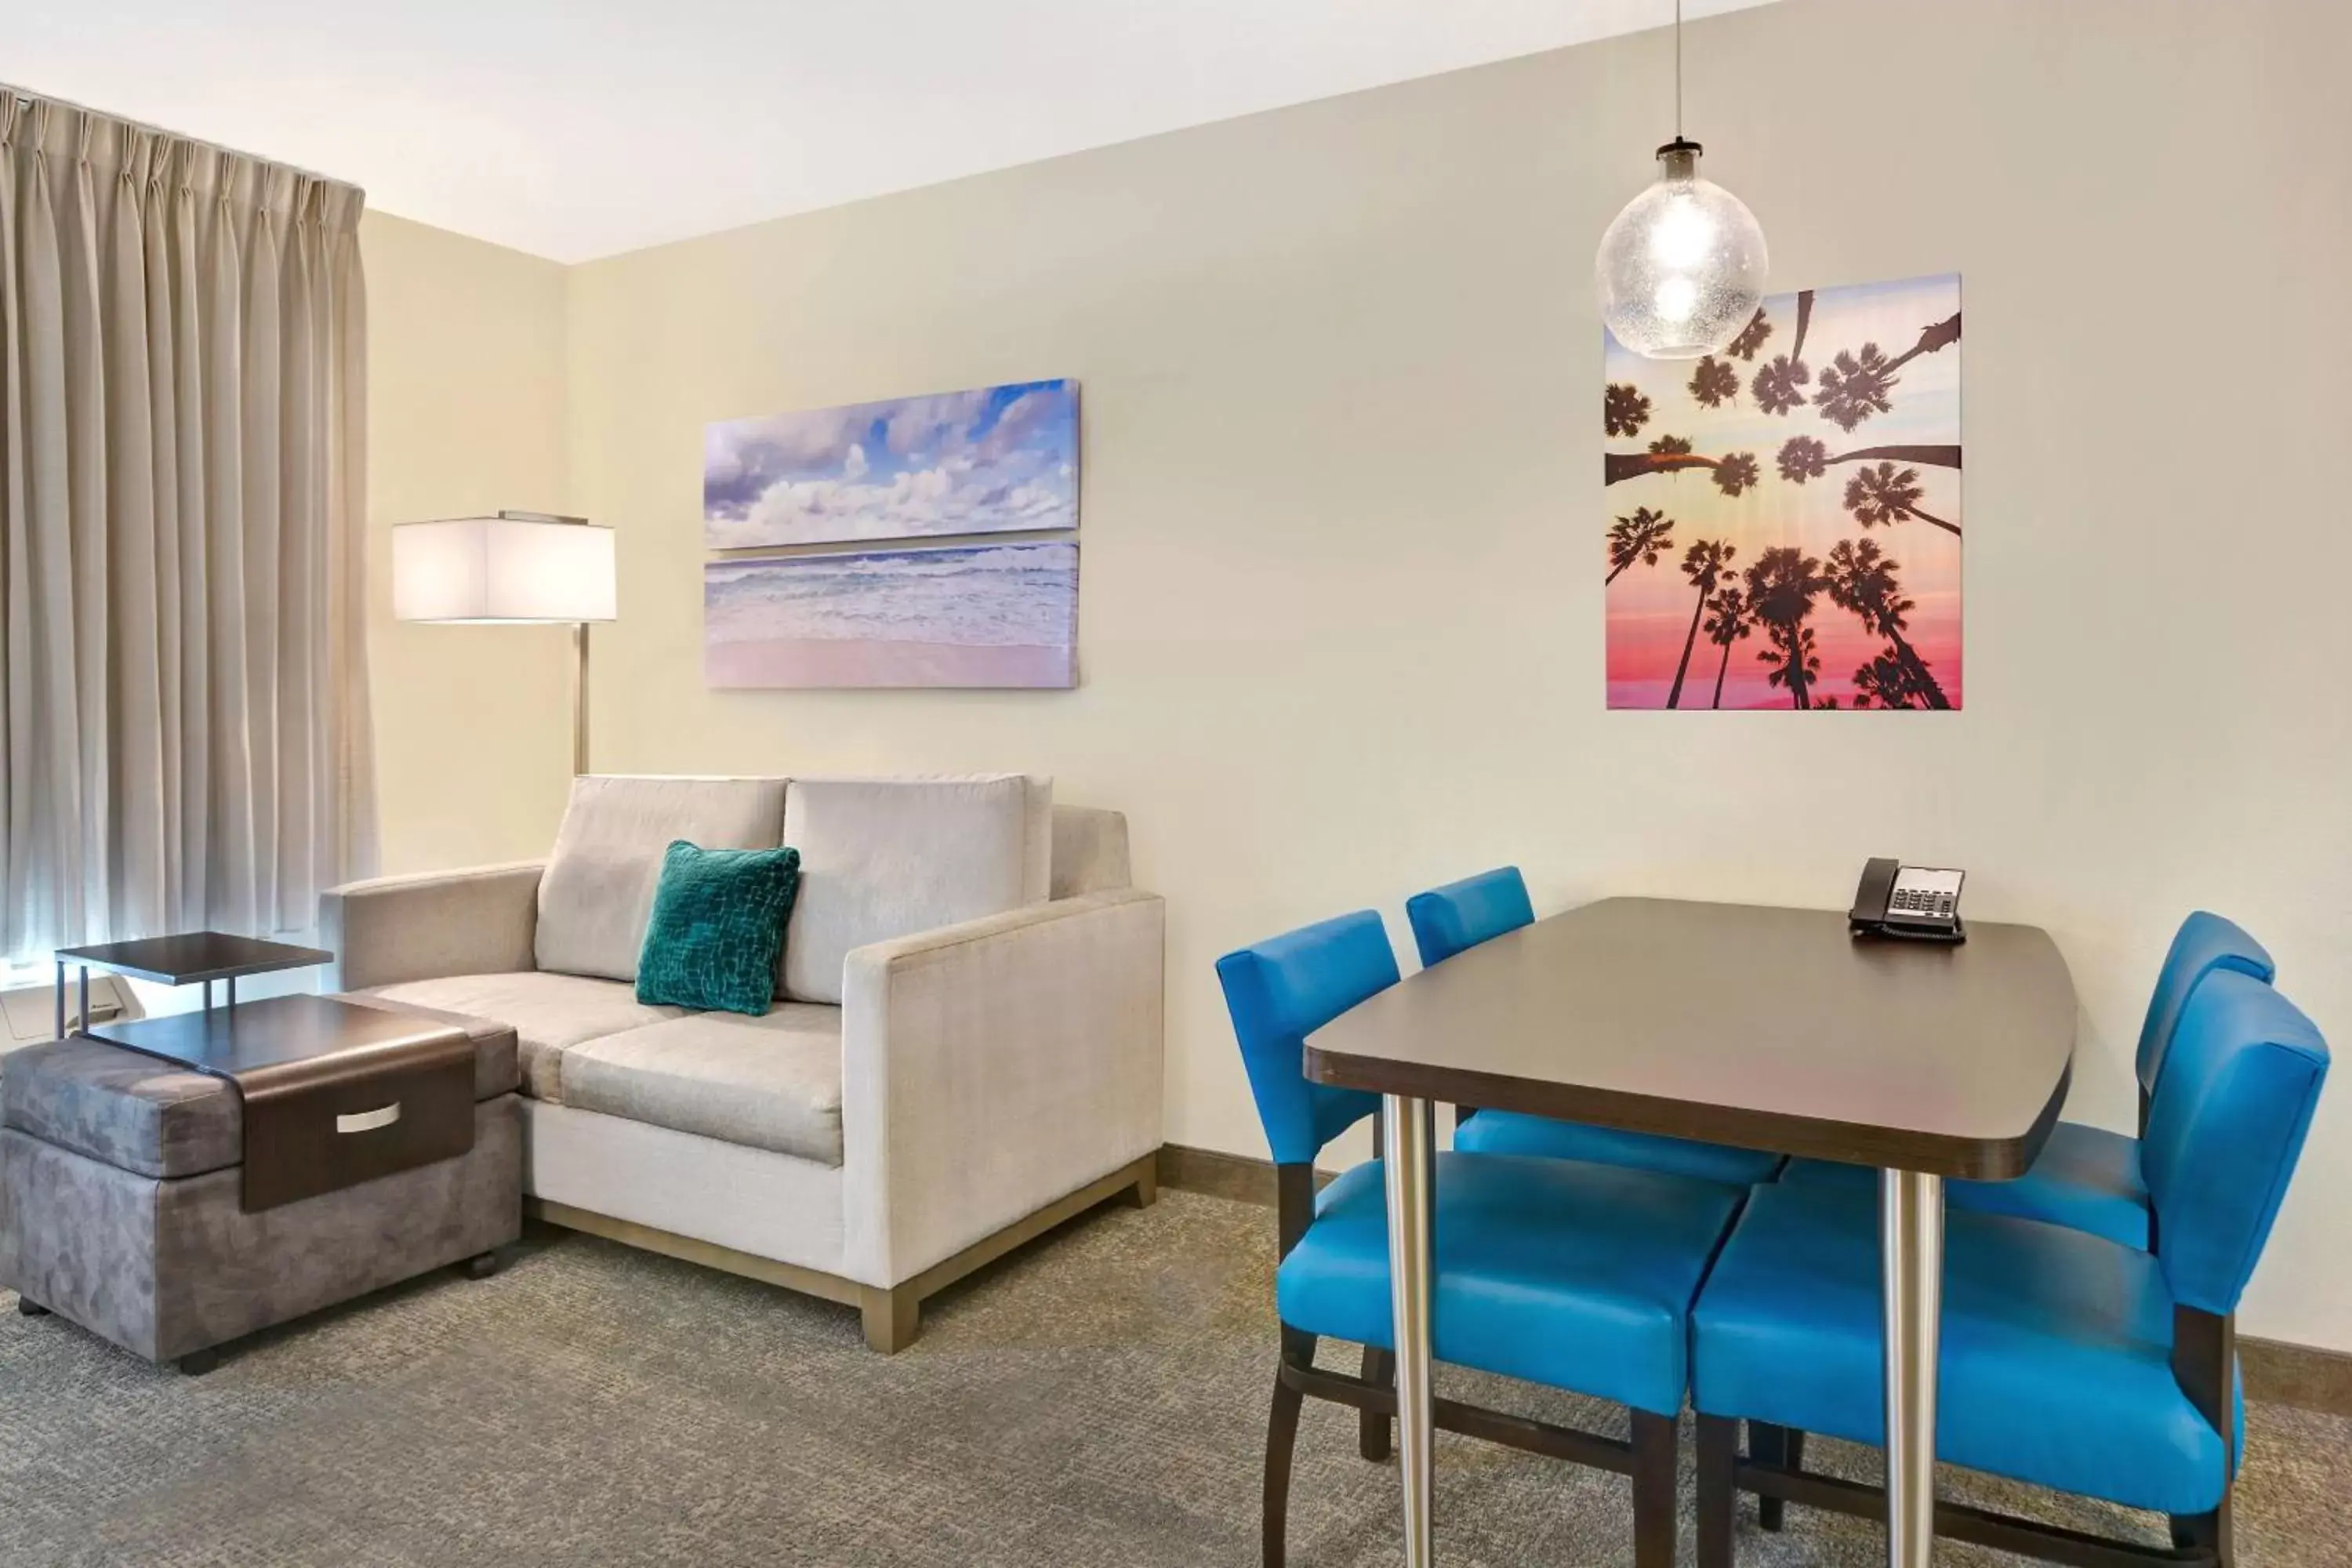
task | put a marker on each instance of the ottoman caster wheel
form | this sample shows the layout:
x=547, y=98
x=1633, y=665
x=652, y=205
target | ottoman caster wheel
x=196, y=1363
x=28, y=1307
x=482, y=1267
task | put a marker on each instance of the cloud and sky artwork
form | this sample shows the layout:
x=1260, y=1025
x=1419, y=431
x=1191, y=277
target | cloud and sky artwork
x=1001, y=615
x=991, y=461
x=1783, y=518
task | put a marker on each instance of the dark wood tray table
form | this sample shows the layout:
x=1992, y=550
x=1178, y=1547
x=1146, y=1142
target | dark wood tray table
x=331, y=1094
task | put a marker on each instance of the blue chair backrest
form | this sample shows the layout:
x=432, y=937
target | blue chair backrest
x=1283, y=990
x=2224, y=1133
x=2204, y=944
x=1460, y=915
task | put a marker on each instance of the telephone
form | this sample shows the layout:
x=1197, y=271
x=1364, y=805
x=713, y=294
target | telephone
x=1920, y=902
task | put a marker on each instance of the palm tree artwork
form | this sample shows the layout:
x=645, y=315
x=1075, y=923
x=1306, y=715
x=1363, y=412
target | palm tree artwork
x=1806, y=479
x=1865, y=580
x=1730, y=619
x=1885, y=682
x=1783, y=585
x=1704, y=563
x=1643, y=537
x=1623, y=410
x=1882, y=495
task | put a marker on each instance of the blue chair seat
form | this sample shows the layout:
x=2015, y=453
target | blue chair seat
x=2056, y=1365
x=2086, y=1179
x=1562, y=1273
x=1510, y=1132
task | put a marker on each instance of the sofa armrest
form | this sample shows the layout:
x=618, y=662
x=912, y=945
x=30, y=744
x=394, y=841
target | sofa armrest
x=391, y=928
x=992, y=1067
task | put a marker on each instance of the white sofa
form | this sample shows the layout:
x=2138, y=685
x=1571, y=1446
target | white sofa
x=965, y=1050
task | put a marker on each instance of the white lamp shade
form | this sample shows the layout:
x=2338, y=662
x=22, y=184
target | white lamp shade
x=502, y=569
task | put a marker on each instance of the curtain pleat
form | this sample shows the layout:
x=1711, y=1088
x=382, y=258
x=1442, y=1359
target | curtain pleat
x=183, y=670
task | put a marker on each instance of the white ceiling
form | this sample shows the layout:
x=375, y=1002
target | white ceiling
x=578, y=127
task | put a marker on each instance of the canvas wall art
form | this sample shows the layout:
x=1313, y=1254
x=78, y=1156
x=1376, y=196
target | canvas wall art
x=1784, y=517
x=985, y=615
x=984, y=462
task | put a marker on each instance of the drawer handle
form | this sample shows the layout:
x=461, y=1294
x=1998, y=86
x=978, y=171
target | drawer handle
x=369, y=1120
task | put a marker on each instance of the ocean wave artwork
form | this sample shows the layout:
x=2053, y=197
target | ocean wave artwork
x=994, y=459
x=956, y=616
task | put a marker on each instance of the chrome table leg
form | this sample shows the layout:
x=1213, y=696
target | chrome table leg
x=1409, y=1163
x=1911, y=1255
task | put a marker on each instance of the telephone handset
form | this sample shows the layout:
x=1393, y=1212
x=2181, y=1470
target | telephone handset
x=1919, y=902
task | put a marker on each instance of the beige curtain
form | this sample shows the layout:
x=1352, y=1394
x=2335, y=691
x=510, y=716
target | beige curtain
x=182, y=462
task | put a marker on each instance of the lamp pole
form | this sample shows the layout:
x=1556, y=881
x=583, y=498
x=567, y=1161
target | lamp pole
x=579, y=698
x=579, y=652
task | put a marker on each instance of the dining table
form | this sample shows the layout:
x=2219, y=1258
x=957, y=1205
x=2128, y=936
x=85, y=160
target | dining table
x=1758, y=1027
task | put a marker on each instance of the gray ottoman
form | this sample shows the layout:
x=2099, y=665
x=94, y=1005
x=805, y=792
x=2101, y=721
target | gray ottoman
x=120, y=1210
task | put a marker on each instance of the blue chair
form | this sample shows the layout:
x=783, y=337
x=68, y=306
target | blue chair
x=1448, y=921
x=2069, y=1361
x=1555, y=1272
x=2087, y=1178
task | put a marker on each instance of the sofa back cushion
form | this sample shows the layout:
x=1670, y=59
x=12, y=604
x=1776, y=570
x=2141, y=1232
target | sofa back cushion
x=598, y=888
x=1089, y=851
x=890, y=857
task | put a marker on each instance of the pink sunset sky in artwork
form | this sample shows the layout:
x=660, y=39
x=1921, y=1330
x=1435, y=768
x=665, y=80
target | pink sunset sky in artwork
x=1650, y=606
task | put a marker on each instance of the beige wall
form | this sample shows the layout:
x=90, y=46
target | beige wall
x=465, y=400
x=1340, y=621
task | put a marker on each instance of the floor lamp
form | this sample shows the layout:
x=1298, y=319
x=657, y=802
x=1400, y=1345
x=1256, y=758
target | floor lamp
x=517, y=568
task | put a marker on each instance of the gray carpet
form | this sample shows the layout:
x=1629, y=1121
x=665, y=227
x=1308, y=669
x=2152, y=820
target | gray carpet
x=1098, y=1399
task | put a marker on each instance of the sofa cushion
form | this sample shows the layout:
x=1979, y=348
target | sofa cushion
x=549, y=1013
x=1089, y=851
x=149, y=1117
x=598, y=888
x=890, y=857
x=771, y=1082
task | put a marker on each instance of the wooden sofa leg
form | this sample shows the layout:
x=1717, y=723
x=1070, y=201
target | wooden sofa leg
x=892, y=1317
x=1146, y=1189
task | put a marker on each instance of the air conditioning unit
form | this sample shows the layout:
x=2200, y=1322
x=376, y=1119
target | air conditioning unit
x=29, y=1014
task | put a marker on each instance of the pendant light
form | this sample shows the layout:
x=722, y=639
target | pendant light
x=1682, y=267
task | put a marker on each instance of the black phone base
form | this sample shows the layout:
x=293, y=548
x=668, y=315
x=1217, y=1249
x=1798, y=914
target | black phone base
x=1958, y=934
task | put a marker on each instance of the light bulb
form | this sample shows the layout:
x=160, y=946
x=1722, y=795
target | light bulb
x=1682, y=233
x=1682, y=269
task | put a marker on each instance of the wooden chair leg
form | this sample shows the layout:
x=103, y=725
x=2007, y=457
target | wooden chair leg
x=1718, y=1455
x=1653, y=1490
x=1783, y=1448
x=1372, y=1427
x=1281, y=1436
x=1146, y=1189
x=892, y=1318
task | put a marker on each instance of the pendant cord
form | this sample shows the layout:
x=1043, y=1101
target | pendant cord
x=1678, y=70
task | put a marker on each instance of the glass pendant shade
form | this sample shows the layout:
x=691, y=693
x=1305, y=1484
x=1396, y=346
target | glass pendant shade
x=1682, y=269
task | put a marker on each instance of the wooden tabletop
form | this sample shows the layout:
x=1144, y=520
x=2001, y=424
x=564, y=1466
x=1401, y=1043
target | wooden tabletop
x=1769, y=1028
x=247, y=1042
x=193, y=956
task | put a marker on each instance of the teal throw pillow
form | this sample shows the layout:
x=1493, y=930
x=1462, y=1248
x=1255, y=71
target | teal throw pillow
x=717, y=927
